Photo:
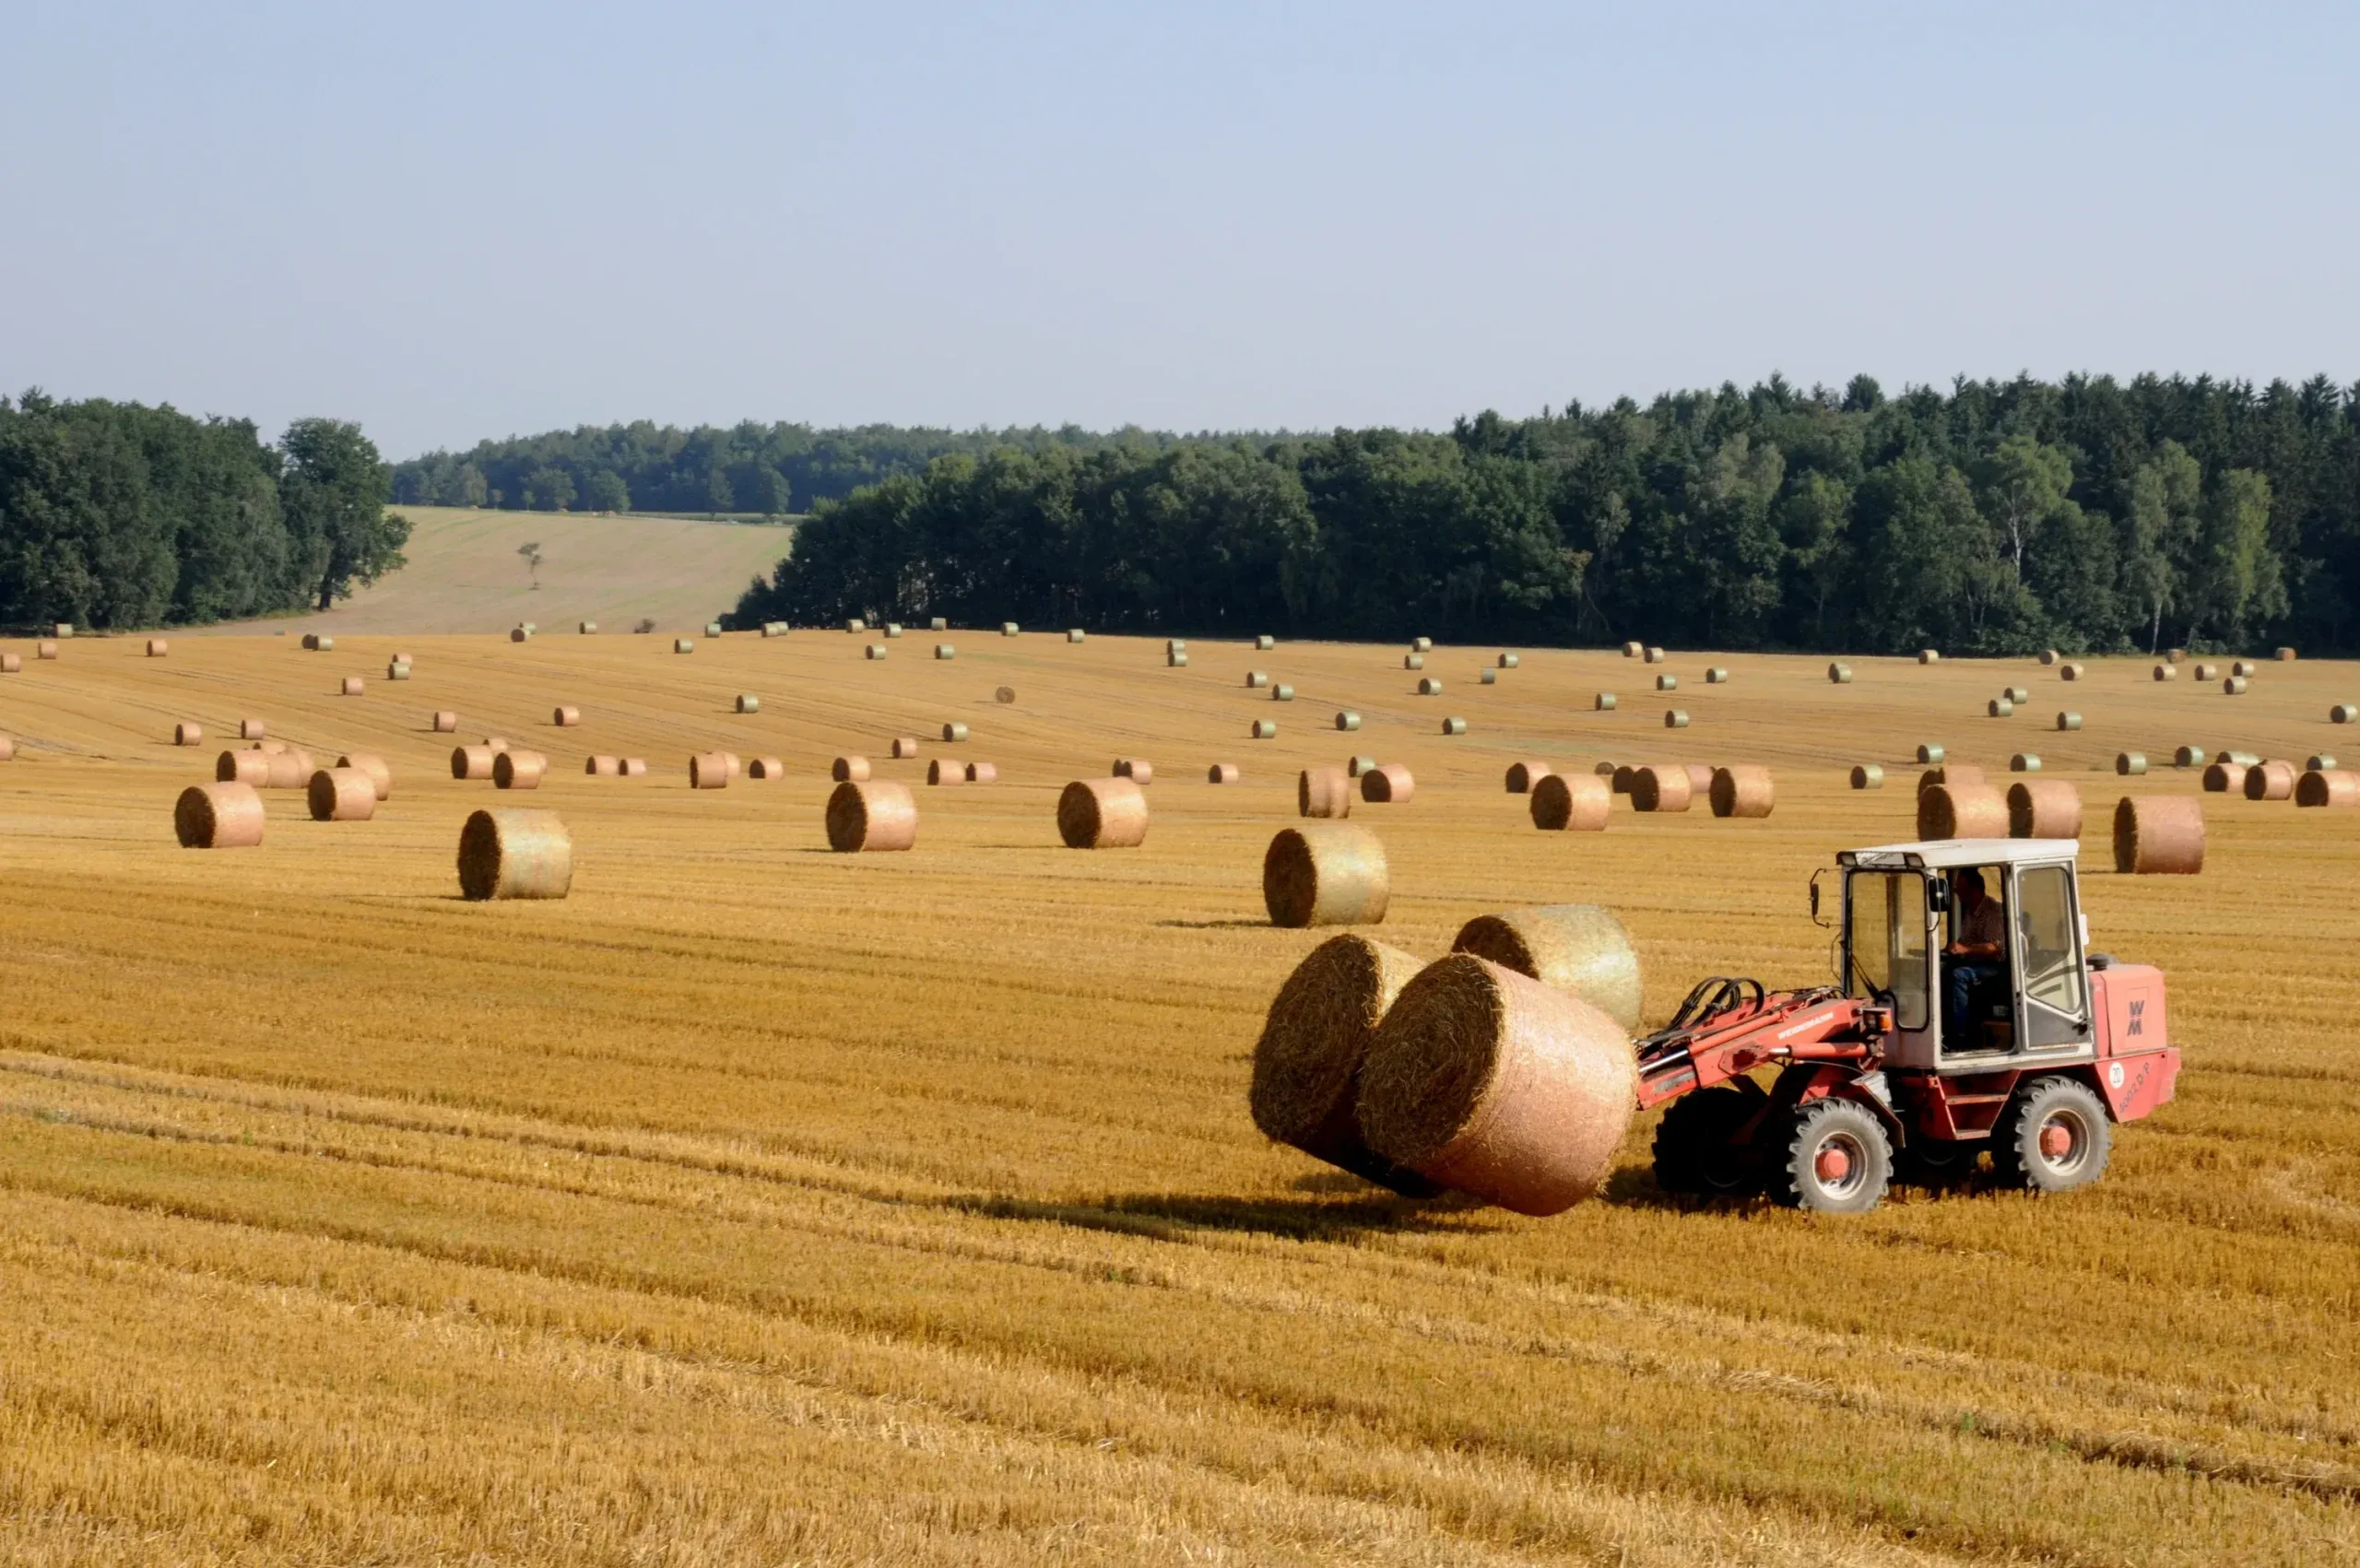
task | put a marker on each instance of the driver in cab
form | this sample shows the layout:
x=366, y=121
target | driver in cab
x=1977, y=955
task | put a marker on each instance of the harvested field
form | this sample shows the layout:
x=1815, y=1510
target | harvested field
x=758, y=1203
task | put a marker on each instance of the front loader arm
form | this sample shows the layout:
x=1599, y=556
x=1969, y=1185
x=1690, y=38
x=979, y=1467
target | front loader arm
x=1726, y=1027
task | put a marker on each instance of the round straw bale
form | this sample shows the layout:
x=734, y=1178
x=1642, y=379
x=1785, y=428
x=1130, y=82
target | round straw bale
x=2243, y=758
x=2177, y=656
x=2225, y=778
x=311, y=640
x=768, y=768
x=1413, y=661
x=856, y=625
x=1175, y=644
x=1660, y=788
x=1360, y=766
x=1667, y=683
x=849, y=770
x=2016, y=694
x=1322, y=791
x=251, y=729
x=713, y=628
x=1347, y=720
x=2272, y=781
x=2044, y=808
x=1930, y=752
x=1700, y=779
x=12, y=664
x=2024, y=762
x=2208, y=672
x=1139, y=771
x=471, y=762
x=1619, y=779
x=7, y=748
x=508, y=852
x=1654, y=656
x=1675, y=718
x=398, y=669
x=2244, y=668
x=1488, y=1081
x=1004, y=694
x=1603, y=702
x=1073, y=633
x=1633, y=650
x=2049, y=656
x=1930, y=655
x=1326, y=874
x=1508, y=661
x=1868, y=775
x=2327, y=786
x=2160, y=835
x=1308, y=1063
x=2071, y=671
x=381, y=777
x=2166, y=672
x=2191, y=756
x=1265, y=730
x=1962, y=811
x=1454, y=726
x=2234, y=687
x=1175, y=661
x=2127, y=763
x=1221, y=772
x=1716, y=675
x=1422, y=644
x=342, y=795
x=1487, y=676
x=249, y=768
x=1102, y=814
x=518, y=770
x=1389, y=782
x=1743, y=791
x=879, y=815
x=1570, y=803
x=1840, y=674
x=45, y=649
x=1429, y=687
x=943, y=771
x=905, y=747
x=590, y=627
x=873, y=651
x=1578, y=949
x=188, y=735
x=2286, y=656
x=602, y=766
x=634, y=767
x=2068, y=720
x=290, y=769
x=954, y=731
x=983, y=772
x=446, y=722
x=157, y=647
x=680, y=644
x=2343, y=714
x=565, y=717
x=227, y=815
x=2321, y=763
x=1265, y=642
x=1255, y=680
x=944, y=650
x=1009, y=629
x=2000, y=708
x=1522, y=776
x=937, y=623
x=352, y=686
x=710, y=770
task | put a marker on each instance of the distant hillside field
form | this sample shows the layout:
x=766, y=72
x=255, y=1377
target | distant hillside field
x=464, y=575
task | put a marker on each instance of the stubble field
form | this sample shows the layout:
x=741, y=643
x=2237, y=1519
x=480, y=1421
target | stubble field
x=758, y=1204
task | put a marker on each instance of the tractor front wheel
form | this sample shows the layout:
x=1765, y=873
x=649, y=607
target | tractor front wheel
x=2055, y=1138
x=1838, y=1159
x=1693, y=1154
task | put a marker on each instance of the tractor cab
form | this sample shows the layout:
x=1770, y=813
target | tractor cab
x=1977, y=944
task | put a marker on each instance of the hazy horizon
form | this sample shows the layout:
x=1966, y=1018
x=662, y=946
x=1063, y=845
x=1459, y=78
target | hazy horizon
x=455, y=224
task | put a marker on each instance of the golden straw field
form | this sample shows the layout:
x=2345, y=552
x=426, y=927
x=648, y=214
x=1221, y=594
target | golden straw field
x=757, y=1204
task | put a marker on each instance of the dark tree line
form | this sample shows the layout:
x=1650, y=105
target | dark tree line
x=750, y=468
x=114, y=514
x=2088, y=514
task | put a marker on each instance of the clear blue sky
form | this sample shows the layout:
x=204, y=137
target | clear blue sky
x=455, y=221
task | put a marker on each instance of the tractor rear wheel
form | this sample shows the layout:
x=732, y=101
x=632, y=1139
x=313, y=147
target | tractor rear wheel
x=1693, y=1154
x=2054, y=1137
x=1838, y=1160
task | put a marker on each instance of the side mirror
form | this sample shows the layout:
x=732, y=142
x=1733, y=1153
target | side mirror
x=1815, y=875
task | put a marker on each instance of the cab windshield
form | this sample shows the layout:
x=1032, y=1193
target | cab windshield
x=1885, y=941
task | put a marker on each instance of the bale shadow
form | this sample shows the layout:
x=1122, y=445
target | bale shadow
x=1168, y=1216
x=1261, y=924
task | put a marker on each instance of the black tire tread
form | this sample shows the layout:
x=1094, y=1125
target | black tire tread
x=1803, y=1134
x=2024, y=1116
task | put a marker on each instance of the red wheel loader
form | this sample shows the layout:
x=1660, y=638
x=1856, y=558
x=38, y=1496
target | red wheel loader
x=1934, y=1048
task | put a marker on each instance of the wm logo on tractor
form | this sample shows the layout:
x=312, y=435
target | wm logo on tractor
x=2138, y=1016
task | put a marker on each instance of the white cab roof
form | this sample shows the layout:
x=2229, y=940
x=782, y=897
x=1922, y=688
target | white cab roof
x=1943, y=854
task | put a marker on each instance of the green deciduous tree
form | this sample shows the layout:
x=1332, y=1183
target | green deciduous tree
x=332, y=493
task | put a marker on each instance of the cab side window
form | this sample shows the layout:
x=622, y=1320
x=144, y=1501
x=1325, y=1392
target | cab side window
x=2045, y=937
